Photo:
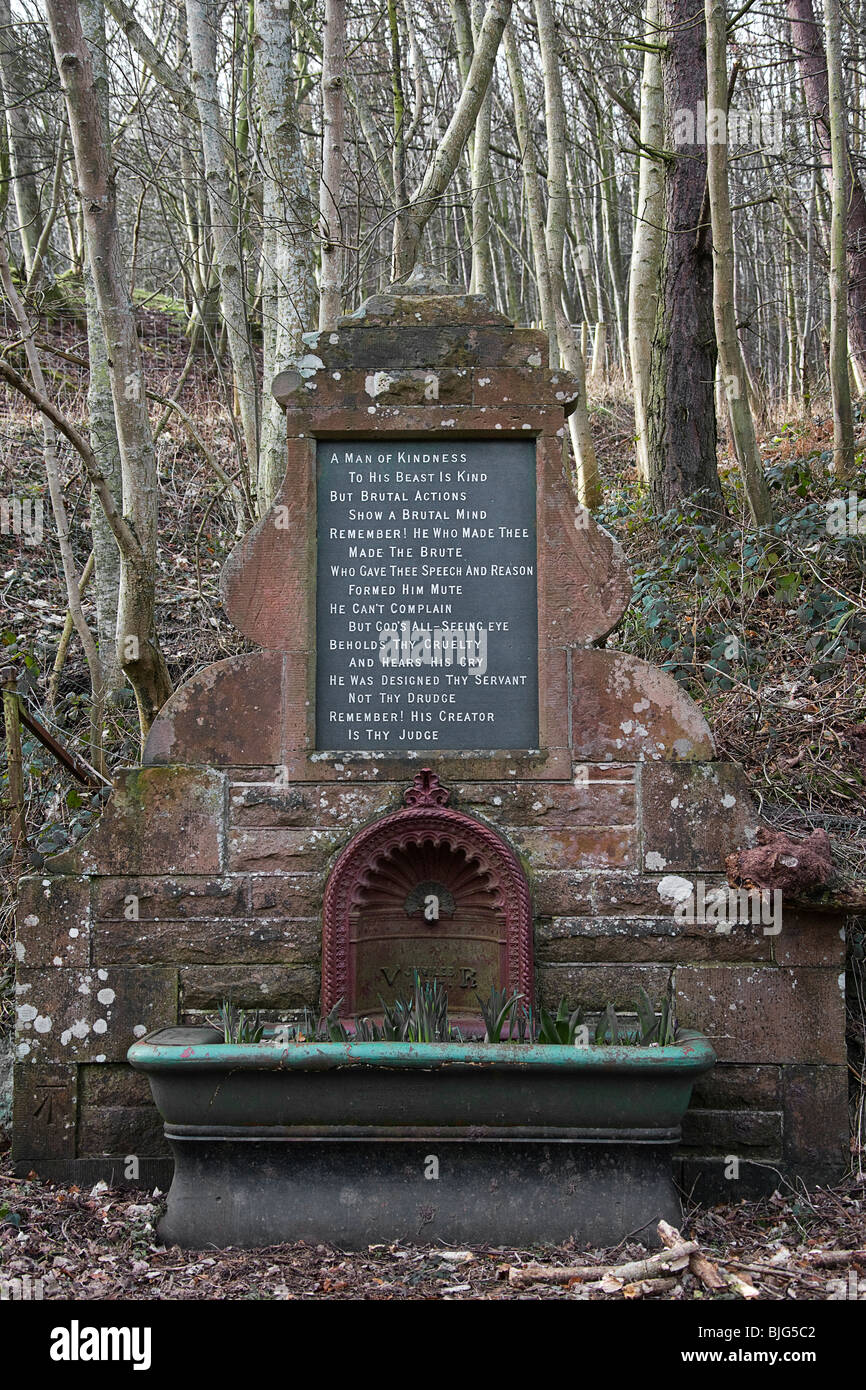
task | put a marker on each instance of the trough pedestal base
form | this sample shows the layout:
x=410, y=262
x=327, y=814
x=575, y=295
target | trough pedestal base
x=363, y=1192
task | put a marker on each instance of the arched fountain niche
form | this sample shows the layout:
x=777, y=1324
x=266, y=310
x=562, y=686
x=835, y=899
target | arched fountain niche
x=426, y=888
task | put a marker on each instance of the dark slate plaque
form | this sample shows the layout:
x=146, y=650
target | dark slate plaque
x=426, y=601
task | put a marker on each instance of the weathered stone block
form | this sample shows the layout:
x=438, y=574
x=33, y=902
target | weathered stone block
x=628, y=894
x=693, y=814
x=44, y=1112
x=763, y=1013
x=758, y=1133
x=553, y=804
x=644, y=939
x=523, y=386
x=729, y=1086
x=591, y=847
x=265, y=581
x=202, y=941
x=53, y=921
x=228, y=713
x=105, y=1083
x=155, y=899
x=90, y=1014
x=585, y=579
x=263, y=805
x=816, y=1120
x=810, y=938
x=595, y=986
x=270, y=850
x=120, y=1130
x=562, y=892
x=160, y=820
x=251, y=986
x=429, y=346
x=357, y=389
x=288, y=895
x=625, y=710
x=553, y=703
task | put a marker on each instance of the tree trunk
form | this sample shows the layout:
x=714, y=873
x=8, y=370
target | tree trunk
x=843, y=421
x=201, y=25
x=330, y=199
x=724, y=289
x=482, y=256
x=648, y=233
x=23, y=147
x=288, y=287
x=806, y=39
x=588, y=479
x=681, y=416
x=440, y=170
x=612, y=251
x=103, y=431
x=531, y=190
x=61, y=520
x=139, y=654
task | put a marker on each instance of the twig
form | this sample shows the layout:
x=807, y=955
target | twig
x=652, y=1267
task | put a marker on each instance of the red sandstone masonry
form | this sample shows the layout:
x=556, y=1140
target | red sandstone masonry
x=53, y=921
x=764, y=1013
x=229, y=866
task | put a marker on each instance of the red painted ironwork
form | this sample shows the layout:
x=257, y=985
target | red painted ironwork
x=425, y=828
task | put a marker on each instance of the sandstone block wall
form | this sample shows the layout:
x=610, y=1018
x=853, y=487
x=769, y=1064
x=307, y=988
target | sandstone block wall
x=205, y=876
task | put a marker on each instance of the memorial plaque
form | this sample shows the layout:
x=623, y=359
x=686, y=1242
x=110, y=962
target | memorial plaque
x=426, y=608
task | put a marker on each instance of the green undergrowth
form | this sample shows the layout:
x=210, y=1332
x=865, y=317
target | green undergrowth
x=765, y=628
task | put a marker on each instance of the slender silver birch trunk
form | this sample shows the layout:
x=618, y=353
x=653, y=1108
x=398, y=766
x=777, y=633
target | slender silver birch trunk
x=568, y=348
x=23, y=147
x=139, y=651
x=648, y=232
x=840, y=386
x=288, y=281
x=482, y=256
x=102, y=430
x=733, y=367
x=330, y=195
x=201, y=23
x=440, y=170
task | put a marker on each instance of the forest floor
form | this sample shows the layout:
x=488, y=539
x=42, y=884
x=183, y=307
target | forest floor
x=767, y=633
x=102, y=1244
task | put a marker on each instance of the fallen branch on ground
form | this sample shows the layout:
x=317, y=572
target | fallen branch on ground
x=631, y=1271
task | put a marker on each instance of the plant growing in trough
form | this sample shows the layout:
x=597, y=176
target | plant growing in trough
x=422, y=1017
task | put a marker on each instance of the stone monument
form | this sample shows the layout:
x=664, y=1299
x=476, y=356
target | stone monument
x=430, y=762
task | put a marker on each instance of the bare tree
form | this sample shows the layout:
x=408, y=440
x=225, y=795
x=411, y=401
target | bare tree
x=136, y=531
x=843, y=421
x=330, y=195
x=648, y=231
x=23, y=146
x=103, y=430
x=724, y=287
x=288, y=282
x=440, y=170
x=568, y=349
x=812, y=60
x=680, y=411
x=201, y=21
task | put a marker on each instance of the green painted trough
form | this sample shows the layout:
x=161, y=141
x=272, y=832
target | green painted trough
x=473, y=1143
